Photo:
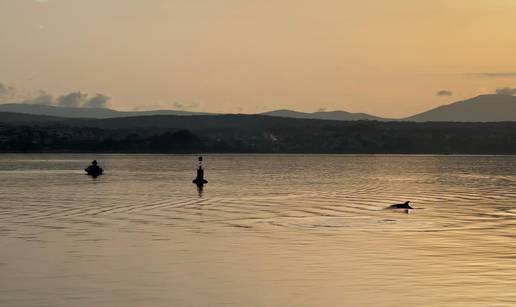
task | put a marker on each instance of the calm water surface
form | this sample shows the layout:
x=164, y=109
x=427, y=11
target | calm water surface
x=268, y=230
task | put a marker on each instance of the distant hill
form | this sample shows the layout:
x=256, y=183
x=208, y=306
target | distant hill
x=213, y=123
x=331, y=115
x=20, y=118
x=39, y=109
x=100, y=113
x=484, y=108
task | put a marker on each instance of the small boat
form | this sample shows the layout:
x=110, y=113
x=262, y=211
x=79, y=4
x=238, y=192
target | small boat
x=94, y=170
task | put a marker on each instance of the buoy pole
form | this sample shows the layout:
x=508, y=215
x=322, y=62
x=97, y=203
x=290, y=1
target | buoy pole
x=199, y=180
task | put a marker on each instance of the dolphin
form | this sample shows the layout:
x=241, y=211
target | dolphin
x=405, y=205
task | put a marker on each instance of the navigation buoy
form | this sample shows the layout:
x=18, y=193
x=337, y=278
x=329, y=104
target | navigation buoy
x=199, y=180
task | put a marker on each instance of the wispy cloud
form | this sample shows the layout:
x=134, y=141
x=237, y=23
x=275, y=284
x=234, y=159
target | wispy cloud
x=6, y=91
x=511, y=91
x=494, y=74
x=444, y=93
x=184, y=107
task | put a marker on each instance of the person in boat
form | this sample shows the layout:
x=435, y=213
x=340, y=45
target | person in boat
x=94, y=169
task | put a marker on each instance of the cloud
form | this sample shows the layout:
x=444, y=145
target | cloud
x=178, y=105
x=154, y=106
x=6, y=91
x=72, y=100
x=494, y=74
x=511, y=91
x=444, y=93
x=184, y=107
x=41, y=97
x=99, y=101
x=81, y=100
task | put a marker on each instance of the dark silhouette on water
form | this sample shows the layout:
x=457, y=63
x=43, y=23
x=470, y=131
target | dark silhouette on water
x=199, y=180
x=405, y=205
x=94, y=170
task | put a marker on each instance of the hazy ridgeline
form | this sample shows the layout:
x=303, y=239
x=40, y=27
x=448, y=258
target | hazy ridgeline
x=484, y=108
x=250, y=134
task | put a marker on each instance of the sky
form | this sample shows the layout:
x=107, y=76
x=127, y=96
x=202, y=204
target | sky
x=389, y=58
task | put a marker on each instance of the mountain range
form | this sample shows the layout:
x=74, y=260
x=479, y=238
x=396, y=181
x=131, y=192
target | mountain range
x=483, y=108
x=330, y=115
x=99, y=113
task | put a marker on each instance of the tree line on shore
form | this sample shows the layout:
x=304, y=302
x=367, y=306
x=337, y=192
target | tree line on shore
x=255, y=134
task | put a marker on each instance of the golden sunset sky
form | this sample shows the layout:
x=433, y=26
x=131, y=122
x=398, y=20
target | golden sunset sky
x=387, y=58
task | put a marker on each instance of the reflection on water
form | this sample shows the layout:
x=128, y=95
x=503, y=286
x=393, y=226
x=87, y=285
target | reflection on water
x=283, y=230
